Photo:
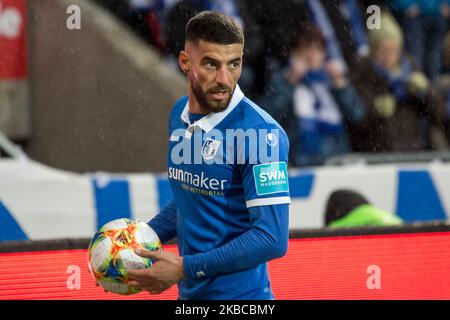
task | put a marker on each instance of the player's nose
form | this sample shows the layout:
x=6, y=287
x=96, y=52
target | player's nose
x=223, y=77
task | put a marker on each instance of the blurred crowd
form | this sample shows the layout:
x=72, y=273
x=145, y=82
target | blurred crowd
x=335, y=85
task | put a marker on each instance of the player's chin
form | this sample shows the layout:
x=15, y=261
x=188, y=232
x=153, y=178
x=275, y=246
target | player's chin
x=218, y=105
x=218, y=108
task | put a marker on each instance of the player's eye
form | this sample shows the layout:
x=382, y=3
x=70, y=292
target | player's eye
x=210, y=65
x=235, y=65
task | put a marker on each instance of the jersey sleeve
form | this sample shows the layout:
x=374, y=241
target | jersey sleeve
x=266, y=240
x=265, y=171
x=165, y=222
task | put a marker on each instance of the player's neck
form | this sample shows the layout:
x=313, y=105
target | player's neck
x=194, y=105
x=196, y=108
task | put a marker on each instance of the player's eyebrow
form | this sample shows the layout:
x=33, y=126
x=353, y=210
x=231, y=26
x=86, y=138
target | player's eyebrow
x=239, y=59
x=210, y=59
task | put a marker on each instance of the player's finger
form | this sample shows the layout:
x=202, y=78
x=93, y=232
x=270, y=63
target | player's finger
x=155, y=255
x=153, y=290
x=140, y=284
x=137, y=274
x=133, y=283
x=156, y=292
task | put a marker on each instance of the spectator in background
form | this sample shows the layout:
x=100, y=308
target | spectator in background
x=342, y=24
x=312, y=111
x=442, y=89
x=176, y=19
x=400, y=106
x=272, y=22
x=348, y=208
x=143, y=18
x=424, y=23
x=266, y=26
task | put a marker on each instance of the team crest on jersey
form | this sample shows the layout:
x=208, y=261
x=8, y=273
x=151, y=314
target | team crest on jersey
x=210, y=148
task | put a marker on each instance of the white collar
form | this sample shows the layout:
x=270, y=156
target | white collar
x=209, y=121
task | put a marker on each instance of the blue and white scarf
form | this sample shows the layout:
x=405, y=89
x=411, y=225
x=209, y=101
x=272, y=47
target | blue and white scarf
x=397, y=83
x=315, y=106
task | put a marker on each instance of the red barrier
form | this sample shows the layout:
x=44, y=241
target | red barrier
x=13, y=52
x=411, y=266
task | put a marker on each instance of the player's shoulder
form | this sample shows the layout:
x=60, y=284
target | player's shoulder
x=253, y=116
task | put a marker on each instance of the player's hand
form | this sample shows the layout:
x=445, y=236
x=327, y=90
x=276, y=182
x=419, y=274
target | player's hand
x=166, y=271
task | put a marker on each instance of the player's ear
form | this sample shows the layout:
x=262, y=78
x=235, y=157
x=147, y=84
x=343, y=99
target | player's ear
x=183, y=61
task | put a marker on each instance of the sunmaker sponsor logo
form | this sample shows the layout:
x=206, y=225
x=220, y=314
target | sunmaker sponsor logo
x=200, y=180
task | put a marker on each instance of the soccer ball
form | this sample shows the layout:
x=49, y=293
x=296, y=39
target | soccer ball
x=111, y=253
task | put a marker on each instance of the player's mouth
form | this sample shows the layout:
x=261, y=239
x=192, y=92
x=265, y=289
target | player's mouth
x=219, y=95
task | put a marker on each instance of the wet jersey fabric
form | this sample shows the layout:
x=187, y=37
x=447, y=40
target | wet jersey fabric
x=230, y=207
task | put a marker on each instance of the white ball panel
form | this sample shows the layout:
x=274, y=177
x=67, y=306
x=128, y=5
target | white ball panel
x=131, y=260
x=115, y=224
x=119, y=288
x=145, y=234
x=100, y=253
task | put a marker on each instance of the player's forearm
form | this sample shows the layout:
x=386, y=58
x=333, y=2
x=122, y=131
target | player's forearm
x=267, y=240
x=165, y=222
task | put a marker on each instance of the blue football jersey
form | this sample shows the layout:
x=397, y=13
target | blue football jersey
x=225, y=169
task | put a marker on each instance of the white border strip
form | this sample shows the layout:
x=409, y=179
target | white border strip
x=268, y=201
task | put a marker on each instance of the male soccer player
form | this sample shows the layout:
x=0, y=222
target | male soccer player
x=230, y=191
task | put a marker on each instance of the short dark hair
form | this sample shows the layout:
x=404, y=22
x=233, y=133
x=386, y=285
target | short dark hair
x=215, y=27
x=307, y=35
